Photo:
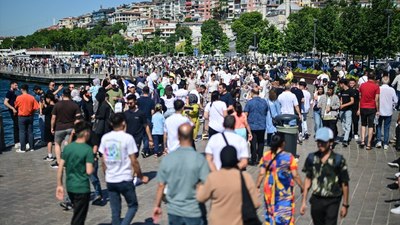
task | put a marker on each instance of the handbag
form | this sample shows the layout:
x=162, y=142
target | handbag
x=249, y=212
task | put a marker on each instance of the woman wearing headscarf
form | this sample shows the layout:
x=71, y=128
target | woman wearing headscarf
x=279, y=168
x=224, y=188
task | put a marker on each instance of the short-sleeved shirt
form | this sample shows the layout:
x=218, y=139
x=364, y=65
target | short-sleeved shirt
x=346, y=95
x=217, y=143
x=368, y=91
x=216, y=115
x=11, y=96
x=26, y=105
x=146, y=104
x=135, y=123
x=112, y=93
x=299, y=95
x=116, y=147
x=181, y=170
x=288, y=101
x=65, y=112
x=227, y=98
x=76, y=155
x=157, y=121
x=171, y=126
x=257, y=109
x=326, y=178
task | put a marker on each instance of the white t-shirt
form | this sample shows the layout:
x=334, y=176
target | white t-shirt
x=169, y=102
x=171, y=126
x=181, y=94
x=212, y=86
x=175, y=87
x=116, y=146
x=288, y=101
x=217, y=143
x=150, y=83
x=362, y=80
x=216, y=115
x=191, y=84
x=264, y=86
x=307, y=101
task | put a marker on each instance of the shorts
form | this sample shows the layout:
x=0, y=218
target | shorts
x=61, y=135
x=367, y=117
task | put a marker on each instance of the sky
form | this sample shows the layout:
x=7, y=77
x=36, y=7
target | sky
x=24, y=17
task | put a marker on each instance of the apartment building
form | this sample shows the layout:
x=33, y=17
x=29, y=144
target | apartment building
x=68, y=22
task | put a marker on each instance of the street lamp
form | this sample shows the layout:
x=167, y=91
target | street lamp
x=389, y=14
x=314, y=47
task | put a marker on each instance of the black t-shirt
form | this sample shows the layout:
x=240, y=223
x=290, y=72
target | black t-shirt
x=345, y=96
x=356, y=95
x=299, y=95
x=334, y=75
x=146, y=104
x=279, y=91
x=11, y=97
x=227, y=98
x=135, y=123
x=65, y=112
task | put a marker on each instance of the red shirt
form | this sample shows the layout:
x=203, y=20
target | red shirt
x=368, y=91
x=26, y=105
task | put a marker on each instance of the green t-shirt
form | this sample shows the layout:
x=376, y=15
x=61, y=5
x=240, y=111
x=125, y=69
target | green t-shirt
x=76, y=155
x=114, y=93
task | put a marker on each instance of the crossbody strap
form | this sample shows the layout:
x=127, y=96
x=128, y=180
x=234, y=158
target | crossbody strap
x=270, y=162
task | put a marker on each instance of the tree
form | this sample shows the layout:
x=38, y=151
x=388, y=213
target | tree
x=213, y=37
x=188, y=46
x=328, y=37
x=271, y=41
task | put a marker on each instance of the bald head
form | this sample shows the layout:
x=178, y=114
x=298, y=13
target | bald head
x=185, y=133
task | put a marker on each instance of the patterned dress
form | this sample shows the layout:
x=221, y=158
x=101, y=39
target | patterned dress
x=278, y=188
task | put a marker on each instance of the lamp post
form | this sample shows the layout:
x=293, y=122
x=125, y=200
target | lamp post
x=314, y=47
x=389, y=14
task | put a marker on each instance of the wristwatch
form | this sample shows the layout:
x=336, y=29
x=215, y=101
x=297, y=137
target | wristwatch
x=346, y=206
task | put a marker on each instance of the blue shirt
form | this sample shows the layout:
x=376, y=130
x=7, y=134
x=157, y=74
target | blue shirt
x=158, y=123
x=257, y=108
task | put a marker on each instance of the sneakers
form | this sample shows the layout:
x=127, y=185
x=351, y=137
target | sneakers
x=393, y=186
x=385, y=147
x=378, y=145
x=17, y=146
x=397, y=175
x=47, y=158
x=395, y=163
x=345, y=144
x=356, y=137
x=66, y=205
x=20, y=151
x=396, y=210
x=393, y=140
x=137, y=181
x=98, y=200
x=54, y=165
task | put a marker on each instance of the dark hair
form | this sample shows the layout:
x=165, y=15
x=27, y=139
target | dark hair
x=214, y=97
x=146, y=90
x=36, y=88
x=229, y=122
x=117, y=120
x=67, y=93
x=371, y=75
x=169, y=91
x=13, y=82
x=272, y=95
x=178, y=105
x=203, y=86
x=223, y=85
x=352, y=79
x=131, y=97
x=51, y=97
x=238, y=108
x=101, y=95
x=25, y=87
x=344, y=81
x=255, y=91
x=302, y=83
x=81, y=127
x=277, y=141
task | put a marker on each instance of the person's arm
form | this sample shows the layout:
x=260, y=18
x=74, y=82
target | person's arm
x=377, y=103
x=260, y=178
x=53, y=123
x=243, y=163
x=60, y=87
x=297, y=108
x=149, y=136
x=347, y=104
x=7, y=104
x=89, y=168
x=60, y=187
x=204, y=191
x=345, y=200
x=206, y=115
x=307, y=185
x=225, y=113
x=297, y=179
x=136, y=167
x=157, y=212
x=210, y=162
x=246, y=124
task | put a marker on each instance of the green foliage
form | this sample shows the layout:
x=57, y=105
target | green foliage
x=213, y=37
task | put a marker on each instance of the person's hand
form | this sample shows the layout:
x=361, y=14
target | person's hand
x=157, y=212
x=377, y=113
x=60, y=193
x=358, y=112
x=303, y=209
x=145, y=179
x=52, y=131
x=151, y=144
x=165, y=150
x=14, y=111
x=60, y=87
x=343, y=212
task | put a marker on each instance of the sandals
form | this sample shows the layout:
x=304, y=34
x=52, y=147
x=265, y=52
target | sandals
x=362, y=144
x=368, y=148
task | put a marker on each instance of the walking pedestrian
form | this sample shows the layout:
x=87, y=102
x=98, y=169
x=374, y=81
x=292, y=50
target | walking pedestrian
x=329, y=104
x=278, y=190
x=316, y=110
x=77, y=158
x=9, y=102
x=215, y=112
x=158, y=121
x=346, y=105
x=26, y=105
x=327, y=179
x=50, y=101
x=119, y=162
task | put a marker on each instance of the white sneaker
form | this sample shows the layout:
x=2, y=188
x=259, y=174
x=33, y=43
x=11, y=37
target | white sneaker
x=20, y=151
x=356, y=137
x=378, y=145
x=397, y=175
x=385, y=147
x=396, y=210
x=17, y=145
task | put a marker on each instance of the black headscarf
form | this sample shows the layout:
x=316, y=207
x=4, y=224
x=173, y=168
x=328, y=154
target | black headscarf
x=229, y=157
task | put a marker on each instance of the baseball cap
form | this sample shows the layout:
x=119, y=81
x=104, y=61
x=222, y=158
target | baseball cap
x=113, y=82
x=302, y=80
x=131, y=85
x=324, y=134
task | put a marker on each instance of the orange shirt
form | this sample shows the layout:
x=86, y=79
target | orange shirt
x=26, y=105
x=240, y=122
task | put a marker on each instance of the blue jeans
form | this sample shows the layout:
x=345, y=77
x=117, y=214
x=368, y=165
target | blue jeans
x=158, y=143
x=346, y=119
x=317, y=120
x=179, y=220
x=95, y=179
x=127, y=189
x=146, y=148
x=25, y=125
x=386, y=127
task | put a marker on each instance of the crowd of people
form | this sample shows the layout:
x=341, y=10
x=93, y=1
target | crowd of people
x=159, y=112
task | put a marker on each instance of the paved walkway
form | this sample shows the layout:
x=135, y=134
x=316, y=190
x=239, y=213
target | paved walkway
x=27, y=189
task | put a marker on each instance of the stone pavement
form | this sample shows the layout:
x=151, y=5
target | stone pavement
x=27, y=188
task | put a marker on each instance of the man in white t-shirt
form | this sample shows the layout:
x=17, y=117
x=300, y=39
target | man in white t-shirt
x=212, y=84
x=289, y=102
x=217, y=143
x=119, y=162
x=264, y=86
x=306, y=108
x=171, y=126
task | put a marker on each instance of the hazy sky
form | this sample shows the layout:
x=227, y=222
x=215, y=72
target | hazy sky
x=23, y=17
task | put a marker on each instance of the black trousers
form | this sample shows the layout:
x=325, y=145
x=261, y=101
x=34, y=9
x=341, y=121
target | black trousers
x=80, y=203
x=355, y=119
x=332, y=125
x=398, y=138
x=257, y=145
x=324, y=211
x=15, y=126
